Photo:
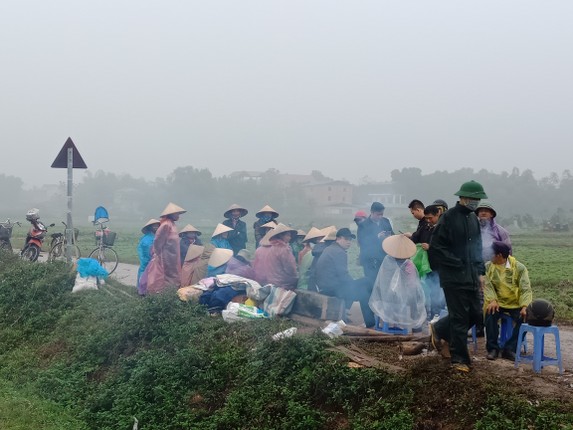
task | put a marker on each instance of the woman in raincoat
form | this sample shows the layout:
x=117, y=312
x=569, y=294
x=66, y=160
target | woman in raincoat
x=144, y=247
x=219, y=238
x=238, y=236
x=188, y=235
x=164, y=269
x=191, y=262
x=398, y=298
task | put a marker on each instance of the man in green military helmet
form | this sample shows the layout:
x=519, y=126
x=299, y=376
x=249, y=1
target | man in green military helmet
x=456, y=252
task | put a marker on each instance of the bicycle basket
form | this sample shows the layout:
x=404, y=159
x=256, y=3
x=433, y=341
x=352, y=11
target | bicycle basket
x=5, y=232
x=109, y=238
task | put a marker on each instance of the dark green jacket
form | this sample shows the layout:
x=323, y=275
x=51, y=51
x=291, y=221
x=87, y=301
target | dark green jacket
x=456, y=250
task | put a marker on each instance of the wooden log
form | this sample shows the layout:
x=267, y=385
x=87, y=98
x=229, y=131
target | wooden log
x=362, y=331
x=319, y=306
x=388, y=338
x=359, y=356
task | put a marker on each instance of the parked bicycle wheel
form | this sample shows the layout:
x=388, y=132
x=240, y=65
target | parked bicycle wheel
x=107, y=257
x=5, y=246
x=58, y=252
x=30, y=252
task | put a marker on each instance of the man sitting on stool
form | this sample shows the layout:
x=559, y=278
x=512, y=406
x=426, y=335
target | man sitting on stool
x=507, y=290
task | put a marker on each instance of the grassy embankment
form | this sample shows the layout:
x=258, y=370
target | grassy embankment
x=94, y=360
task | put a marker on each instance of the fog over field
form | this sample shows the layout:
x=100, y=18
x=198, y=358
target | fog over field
x=353, y=89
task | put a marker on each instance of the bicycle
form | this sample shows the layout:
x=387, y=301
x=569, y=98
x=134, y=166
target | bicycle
x=104, y=253
x=6, y=233
x=58, y=246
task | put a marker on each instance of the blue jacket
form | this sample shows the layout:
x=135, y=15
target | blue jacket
x=144, y=252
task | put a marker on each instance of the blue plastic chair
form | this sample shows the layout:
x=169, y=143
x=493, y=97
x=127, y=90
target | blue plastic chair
x=389, y=329
x=537, y=357
x=506, y=330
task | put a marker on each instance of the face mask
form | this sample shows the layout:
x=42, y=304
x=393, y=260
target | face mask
x=265, y=219
x=472, y=205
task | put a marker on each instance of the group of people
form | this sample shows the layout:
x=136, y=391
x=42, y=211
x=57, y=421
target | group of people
x=456, y=264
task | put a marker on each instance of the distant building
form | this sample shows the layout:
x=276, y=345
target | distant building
x=244, y=175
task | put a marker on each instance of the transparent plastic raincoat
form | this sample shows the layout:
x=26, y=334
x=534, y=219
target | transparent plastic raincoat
x=398, y=297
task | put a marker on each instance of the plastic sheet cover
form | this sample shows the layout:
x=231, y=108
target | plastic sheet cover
x=397, y=297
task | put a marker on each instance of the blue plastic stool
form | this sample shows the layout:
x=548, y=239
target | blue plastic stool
x=391, y=330
x=537, y=357
x=506, y=330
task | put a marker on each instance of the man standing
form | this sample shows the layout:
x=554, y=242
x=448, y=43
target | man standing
x=371, y=232
x=333, y=279
x=507, y=290
x=456, y=252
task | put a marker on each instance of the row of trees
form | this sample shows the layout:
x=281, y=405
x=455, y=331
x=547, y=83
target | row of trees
x=516, y=195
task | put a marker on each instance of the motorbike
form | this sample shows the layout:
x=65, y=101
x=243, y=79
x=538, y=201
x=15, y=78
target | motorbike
x=6, y=233
x=35, y=236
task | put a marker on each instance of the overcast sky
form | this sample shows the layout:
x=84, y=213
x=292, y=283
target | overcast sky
x=350, y=88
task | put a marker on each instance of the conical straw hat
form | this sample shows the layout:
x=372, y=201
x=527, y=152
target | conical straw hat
x=234, y=206
x=301, y=233
x=148, y=223
x=245, y=253
x=221, y=228
x=265, y=239
x=270, y=224
x=171, y=209
x=220, y=256
x=281, y=228
x=190, y=229
x=193, y=252
x=329, y=233
x=267, y=208
x=313, y=233
x=399, y=246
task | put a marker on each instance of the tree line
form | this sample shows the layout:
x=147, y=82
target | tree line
x=517, y=195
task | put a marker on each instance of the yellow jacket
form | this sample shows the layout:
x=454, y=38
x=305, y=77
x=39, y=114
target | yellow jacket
x=508, y=284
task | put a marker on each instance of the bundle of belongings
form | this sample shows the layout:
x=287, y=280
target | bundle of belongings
x=226, y=292
x=90, y=274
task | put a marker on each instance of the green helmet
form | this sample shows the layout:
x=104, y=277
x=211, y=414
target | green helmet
x=472, y=190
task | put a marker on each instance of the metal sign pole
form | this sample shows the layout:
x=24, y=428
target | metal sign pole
x=70, y=227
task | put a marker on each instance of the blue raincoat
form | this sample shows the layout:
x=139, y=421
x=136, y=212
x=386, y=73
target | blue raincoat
x=144, y=252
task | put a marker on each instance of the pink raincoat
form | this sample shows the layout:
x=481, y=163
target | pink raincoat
x=164, y=269
x=275, y=265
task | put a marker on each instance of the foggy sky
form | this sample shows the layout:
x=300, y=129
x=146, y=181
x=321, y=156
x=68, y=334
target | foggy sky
x=350, y=88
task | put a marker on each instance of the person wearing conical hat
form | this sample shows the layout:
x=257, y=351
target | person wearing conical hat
x=265, y=215
x=144, y=247
x=218, y=261
x=188, y=235
x=164, y=269
x=192, y=260
x=275, y=264
x=328, y=238
x=296, y=244
x=397, y=297
x=309, y=241
x=240, y=265
x=238, y=236
x=200, y=266
x=219, y=237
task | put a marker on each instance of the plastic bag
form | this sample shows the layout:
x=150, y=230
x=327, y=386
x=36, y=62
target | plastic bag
x=91, y=267
x=189, y=294
x=289, y=332
x=334, y=329
x=239, y=312
x=84, y=283
x=420, y=260
x=397, y=297
x=279, y=301
x=258, y=292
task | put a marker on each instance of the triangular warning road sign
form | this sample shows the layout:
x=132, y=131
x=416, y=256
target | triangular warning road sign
x=61, y=160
